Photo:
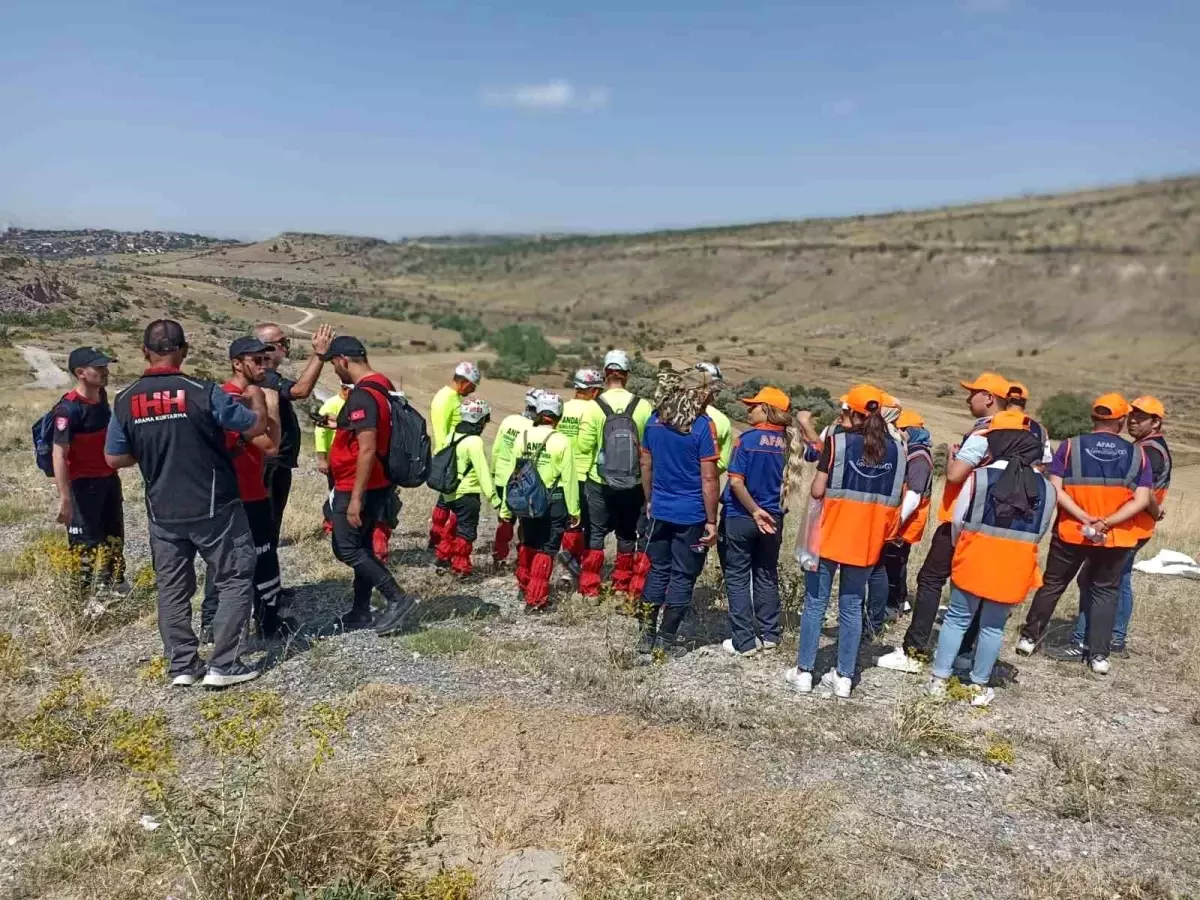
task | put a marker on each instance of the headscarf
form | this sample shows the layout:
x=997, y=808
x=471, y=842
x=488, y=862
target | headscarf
x=916, y=436
x=1016, y=492
x=680, y=399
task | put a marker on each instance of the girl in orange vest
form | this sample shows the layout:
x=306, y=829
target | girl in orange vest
x=860, y=479
x=1000, y=516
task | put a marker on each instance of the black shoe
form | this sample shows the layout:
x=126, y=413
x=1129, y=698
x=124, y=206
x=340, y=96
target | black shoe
x=1121, y=651
x=394, y=618
x=356, y=618
x=570, y=562
x=645, y=644
x=443, y=564
x=206, y=635
x=237, y=673
x=671, y=646
x=1070, y=653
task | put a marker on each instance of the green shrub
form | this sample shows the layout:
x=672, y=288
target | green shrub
x=1066, y=415
x=524, y=344
x=506, y=369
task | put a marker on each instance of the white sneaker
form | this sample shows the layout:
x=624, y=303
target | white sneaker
x=727, y=646
x=189, y=678
x=234, y=674
x=1025, y=647
x=801, y=682
x=936, y=687
x=768, y=646
x=907, y=607
x=1100, y=665
x=983, y=698
x=899, y=661
x=839, y=684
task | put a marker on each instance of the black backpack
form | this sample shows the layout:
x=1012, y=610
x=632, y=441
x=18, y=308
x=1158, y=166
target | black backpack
x=43, y=440
x=406, y=462
x=444, y=476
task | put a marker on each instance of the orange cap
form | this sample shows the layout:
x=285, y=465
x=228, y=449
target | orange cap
x=864, y=399
x=1010, y=420
x=889, y=400
x=1151, y=406
x=1018, y=390
x=770, y=396
x=1110, y=406
x=996, y=385
x=910, y=418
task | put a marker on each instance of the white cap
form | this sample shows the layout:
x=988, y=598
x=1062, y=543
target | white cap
x=474, y=410
x=586, y=379
x=549, y=402
x=711, y=368
x=616, y=359
x=468, y=371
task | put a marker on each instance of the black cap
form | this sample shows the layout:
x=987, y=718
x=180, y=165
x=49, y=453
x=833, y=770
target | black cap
x=345, y=346
x=81, y=357
x=164, y=336
x=244, y=346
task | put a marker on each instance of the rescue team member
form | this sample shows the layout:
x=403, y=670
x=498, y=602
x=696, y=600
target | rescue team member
x=360, y=487
x=172, y=427
x=1000, y=517
x=914, y=511
x=1145, y=427
x=1018, y=399
x=89, y=489
x=860, y=479
x=615, y=508
x=679, y=475
x=443, y=416
x=1103, y=483
x=503, y=462
x=985, y=397
x=248, y=363
x=541, y=538
x=720, y=420
x=474, y=486
x=751, y=531
x=277, y=473
x=579, y=428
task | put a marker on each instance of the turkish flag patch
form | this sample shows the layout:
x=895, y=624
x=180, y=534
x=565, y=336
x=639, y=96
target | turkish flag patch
x=357, y=415
x=60, y=422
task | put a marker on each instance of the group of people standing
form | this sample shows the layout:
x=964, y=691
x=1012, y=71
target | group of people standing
x=565, y=474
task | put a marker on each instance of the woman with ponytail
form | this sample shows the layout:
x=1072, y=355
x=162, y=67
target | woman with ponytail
x=754, y=504
x=860, y=479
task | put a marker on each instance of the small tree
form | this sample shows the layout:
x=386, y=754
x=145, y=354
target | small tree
x=1066, y=415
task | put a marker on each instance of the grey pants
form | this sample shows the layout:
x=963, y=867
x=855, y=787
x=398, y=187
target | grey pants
x=225, y=545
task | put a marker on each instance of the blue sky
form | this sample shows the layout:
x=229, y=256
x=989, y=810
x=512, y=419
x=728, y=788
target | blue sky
x=392, y=118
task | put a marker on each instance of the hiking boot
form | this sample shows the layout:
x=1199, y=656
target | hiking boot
x=237, y=673
x=355, y=619
x=194, y=674
x=395, y=616
x=1069, y=653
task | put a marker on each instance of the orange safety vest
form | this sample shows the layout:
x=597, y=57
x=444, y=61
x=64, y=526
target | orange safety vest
x=950, y=491
x=913, y=530
x=999, y=561
x=1144, y=523
x=861, y=511
x=1102, y=474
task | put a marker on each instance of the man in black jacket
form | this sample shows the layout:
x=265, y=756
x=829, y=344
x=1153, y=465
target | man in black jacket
x=172, y=427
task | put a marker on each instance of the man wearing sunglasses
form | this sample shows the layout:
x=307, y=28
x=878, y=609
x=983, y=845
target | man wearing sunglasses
x=277, y=474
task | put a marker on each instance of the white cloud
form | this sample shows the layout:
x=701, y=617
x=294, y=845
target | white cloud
x=841, y=108
x=985, y=6
x=551, y=96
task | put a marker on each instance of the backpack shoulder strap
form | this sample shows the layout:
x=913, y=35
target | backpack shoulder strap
x=605, y=408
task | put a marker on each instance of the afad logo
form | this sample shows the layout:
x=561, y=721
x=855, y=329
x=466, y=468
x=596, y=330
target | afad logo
x=159, y=403
x=865, y=470
x=1107, y=451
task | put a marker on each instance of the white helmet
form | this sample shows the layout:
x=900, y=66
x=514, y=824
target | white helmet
x=549, y=402
x=616, y=359
x=713, y=370
x=531, y=396
x=467, y=371
x=586, y=379
x=474, y=410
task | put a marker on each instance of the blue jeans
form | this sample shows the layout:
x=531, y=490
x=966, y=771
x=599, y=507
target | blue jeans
x=750, y=560
x=676, y=561
x=1124, y=602
x=818, y=588
x=877, y=598
x=992, y=617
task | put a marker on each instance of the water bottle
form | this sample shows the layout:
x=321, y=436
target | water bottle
x=1092, y=534
x=807, y=561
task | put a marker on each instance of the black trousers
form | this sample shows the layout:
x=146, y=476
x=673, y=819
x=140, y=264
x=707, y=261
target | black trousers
x=1105, y=568
x=466, y=512
x=611, y=510
x=97, y=529
x=895, y=562
x=278, y=480
x=545, y=534
x=266, y=572
x=931, y=581
x=352, y=546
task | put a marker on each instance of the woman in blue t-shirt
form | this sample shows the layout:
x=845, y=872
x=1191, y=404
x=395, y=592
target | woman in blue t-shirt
x=679, y=475
x=752, y=522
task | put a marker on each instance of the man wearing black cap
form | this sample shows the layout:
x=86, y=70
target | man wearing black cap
x=278, y=471
x=247, y=360
x=172, y=427
x=361, y=487
x=89, y=489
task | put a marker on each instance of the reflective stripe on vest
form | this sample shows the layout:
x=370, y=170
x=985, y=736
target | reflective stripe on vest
x=994, y=561
x=861, y=510
x=913, y=530
x=1100, y=480
x=1144, y=523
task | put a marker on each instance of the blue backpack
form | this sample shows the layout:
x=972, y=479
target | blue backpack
x=526, y=495
x=43, y=440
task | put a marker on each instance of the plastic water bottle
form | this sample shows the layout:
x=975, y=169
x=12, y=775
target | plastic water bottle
x=807, y=561
x=1092, y=534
